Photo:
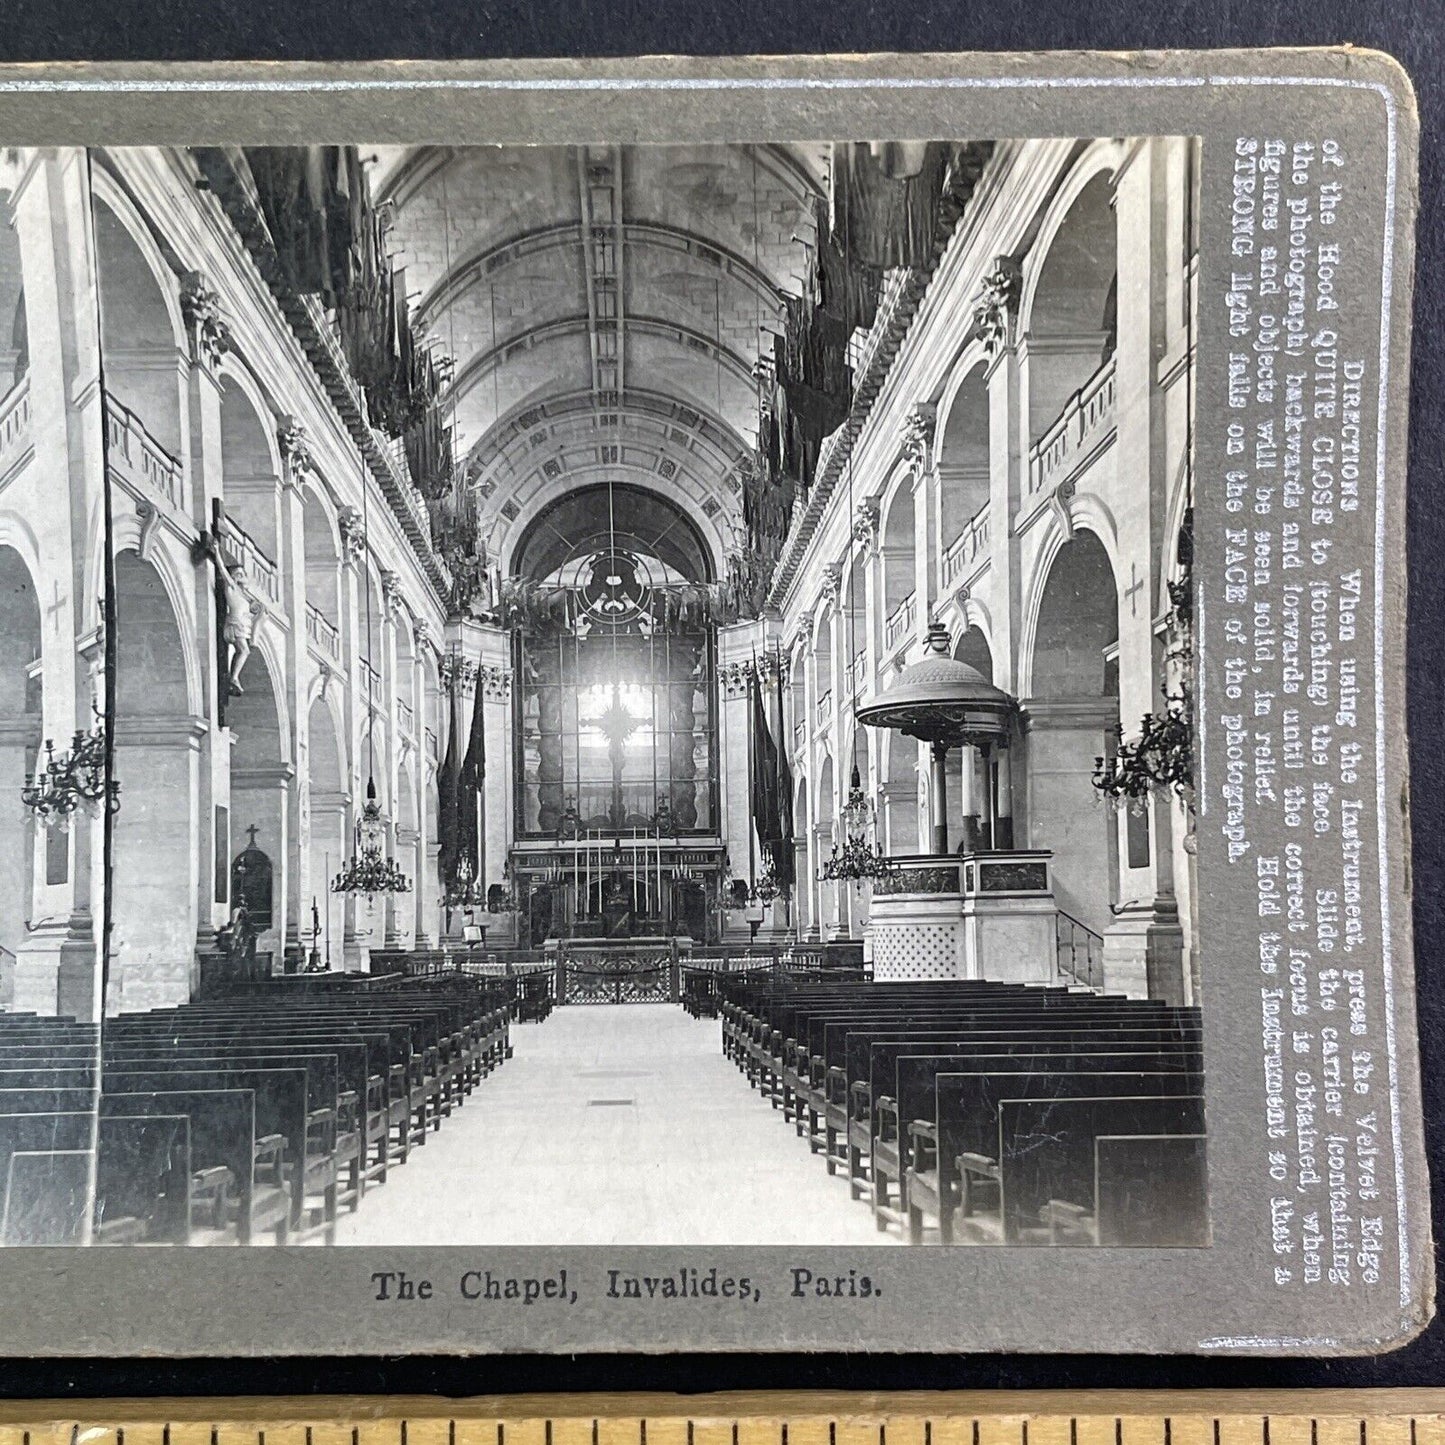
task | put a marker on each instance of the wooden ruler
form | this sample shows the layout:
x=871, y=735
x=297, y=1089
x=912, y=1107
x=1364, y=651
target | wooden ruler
x=1285, y=1417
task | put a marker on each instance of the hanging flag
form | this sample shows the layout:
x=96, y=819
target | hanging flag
x=783, y=862
x=447, y=780
x=469, y=789
x=765, y=775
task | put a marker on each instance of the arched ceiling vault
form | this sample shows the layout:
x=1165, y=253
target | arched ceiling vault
x=604, y=306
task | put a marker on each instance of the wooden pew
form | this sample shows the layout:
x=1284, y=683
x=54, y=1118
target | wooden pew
x=953, y=1159
x=142, y=1174
x=1048, y=1164
x=288, y=1153
x=222, y=1126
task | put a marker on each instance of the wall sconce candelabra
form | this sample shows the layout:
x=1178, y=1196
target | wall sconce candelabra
x=67, y=781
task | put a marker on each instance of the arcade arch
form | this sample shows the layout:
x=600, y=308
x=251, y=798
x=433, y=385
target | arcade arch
x=156, y=832
x=1073, y=710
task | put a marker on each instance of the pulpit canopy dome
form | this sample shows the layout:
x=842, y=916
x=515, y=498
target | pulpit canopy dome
x=941, y=700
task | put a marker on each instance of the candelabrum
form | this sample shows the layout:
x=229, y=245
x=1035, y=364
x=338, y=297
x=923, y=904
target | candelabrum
x=1160, y=760
x=370, y=871
x=67, y=781
x=857, y=859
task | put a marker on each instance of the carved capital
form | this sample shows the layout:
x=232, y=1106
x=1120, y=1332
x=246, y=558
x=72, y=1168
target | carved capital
x=206, y=328
x=918, y=430
x=291, y=438
x=353, y=537
x=997, y=307
x=865, y=521
x=734, y=678
x=390, y=591
x=495, y=680
x=458, y=674
x=832, y=580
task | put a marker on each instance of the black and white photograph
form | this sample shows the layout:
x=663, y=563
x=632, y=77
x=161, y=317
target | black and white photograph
x=600, y=695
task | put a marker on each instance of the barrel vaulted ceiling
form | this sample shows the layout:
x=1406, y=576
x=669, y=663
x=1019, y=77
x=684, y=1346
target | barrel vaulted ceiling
x=603, y=306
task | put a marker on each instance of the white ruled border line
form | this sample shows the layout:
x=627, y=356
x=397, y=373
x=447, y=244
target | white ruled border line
x=320, y=85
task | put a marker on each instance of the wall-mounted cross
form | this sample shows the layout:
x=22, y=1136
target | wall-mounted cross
x=251, y=835
x=1136, y=585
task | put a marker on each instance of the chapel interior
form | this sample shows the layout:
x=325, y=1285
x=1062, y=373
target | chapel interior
x=531, y=610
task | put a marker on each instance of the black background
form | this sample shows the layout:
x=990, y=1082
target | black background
x=32, y=30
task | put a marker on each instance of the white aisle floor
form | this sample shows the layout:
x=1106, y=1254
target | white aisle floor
x=613, y=1125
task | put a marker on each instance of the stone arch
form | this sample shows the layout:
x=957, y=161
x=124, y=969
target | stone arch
x=899, y=542
x=973, y=648
x=962, y=447
x=157, y=761
x=853, y=619
x=328, y=800
x=404, y=685
x=250, y=462
x=142, y=333
x=803, y=891
x=262, y=777
x=511, y=535
x=823, y=653
x=1069, y=311
x=1073, y=710
x=21, y=725
x=900, y=794
x=322, y=545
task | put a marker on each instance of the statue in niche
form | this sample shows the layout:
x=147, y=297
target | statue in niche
x=240, y=624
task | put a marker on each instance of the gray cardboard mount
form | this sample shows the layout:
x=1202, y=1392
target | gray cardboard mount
x=1230, y=1297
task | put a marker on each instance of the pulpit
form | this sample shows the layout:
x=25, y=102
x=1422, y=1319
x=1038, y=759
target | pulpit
x=978, y=916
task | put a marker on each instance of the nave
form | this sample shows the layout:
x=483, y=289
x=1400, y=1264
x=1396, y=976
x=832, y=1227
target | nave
x=613, y=1126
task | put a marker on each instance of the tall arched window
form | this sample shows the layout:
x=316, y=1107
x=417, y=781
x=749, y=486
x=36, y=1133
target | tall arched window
x=616, y=711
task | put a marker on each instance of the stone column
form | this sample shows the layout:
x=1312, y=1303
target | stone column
x=927, y=545
x=1144, y=943
x=968, y=798
x=1003, y=823
x=938, y=797
x=206, y=473
x=295, y=462
x=351, y=955
x=59, y=493
x=426, y=891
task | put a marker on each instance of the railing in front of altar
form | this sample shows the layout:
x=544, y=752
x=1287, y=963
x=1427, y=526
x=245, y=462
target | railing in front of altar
x=706, y=972
x=629, y=972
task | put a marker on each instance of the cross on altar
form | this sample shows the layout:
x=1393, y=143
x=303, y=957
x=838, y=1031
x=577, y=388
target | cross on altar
x=1136, y=585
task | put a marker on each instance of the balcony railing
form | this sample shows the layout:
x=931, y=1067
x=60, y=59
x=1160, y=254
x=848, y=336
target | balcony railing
x=370, y=682
x=324, y=635
x=858, y=674
x=405, y=717
x=825, y=706
x=15, y=419
x=899, y=626
x=800, y=732
x=967, y=550
x=1087, y=419
x=139, y=457
x=260, y=570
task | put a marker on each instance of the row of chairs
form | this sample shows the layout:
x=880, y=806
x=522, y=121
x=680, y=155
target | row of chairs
x=977, y=1112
